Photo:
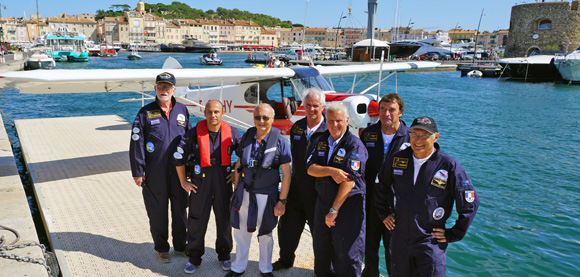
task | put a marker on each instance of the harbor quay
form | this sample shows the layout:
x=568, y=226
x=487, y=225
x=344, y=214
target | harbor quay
x=94, y=213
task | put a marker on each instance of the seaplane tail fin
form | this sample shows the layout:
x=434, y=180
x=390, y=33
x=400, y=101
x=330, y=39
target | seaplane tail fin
x=171, y=63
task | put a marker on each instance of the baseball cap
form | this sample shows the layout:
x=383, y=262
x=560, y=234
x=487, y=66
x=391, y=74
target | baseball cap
x=165, y=77
x=425, y=123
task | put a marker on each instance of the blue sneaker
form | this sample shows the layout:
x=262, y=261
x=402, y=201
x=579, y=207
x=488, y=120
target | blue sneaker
x=189, y=268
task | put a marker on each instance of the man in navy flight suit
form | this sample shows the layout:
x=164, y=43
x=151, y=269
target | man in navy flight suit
x=338, y=163
x=302, y=195
x=256, y=203
x=157, y=130
x=425, y=182
x=208, y=148
x=381, y=139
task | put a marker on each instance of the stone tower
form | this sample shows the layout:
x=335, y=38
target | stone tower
x=543, y=26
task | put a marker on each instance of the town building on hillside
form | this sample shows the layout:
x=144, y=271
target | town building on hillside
x=268, y=38
x=85, y=26
x=136, y=29
x=543, y=26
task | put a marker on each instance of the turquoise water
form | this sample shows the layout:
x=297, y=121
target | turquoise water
x=518, y=142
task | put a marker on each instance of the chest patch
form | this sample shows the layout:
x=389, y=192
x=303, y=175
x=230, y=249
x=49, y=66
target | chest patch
x=155, y=121
x=322, y=146
x=398, y=172
x=370, y=144
x=338, y=160
x=181, y=123
x=399, y=162
x=297, y=130
x=153, y=114
x=297, y=137
x=371, y=137
x=440, y=179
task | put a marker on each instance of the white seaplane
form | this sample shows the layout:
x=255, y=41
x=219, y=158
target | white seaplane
x=239, y=89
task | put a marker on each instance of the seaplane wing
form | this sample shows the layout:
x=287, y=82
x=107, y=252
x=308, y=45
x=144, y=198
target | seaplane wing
x=117, y=80
x=337, y=71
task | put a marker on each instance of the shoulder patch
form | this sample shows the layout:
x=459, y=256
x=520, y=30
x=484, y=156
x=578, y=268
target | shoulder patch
x=154, y=114
x=399, y=162
x=469, y=196
x=371, y=137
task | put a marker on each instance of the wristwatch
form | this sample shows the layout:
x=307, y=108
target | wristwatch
x=283, y=201
x=333, y=211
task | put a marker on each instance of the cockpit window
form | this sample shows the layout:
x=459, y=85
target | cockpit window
x=251, y=94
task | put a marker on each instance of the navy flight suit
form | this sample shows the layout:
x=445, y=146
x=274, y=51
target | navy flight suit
x=372, y=137
x=342, y=246
x=212, y=190
x=302, y=194
x=153, y=141
x=422, y=206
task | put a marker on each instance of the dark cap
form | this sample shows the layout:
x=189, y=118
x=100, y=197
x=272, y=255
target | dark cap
x=165, y=77
x=426, y=123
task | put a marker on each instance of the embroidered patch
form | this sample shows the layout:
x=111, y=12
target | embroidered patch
x=150, y=147
x=338, y=160
x=398, y=172
x=355, y=156
x=322, y=146
x=135, y=137
x=370, y=144
x=469, y=195
x=179, y=149
x=155, y=121
x=153, y=114
x=355, y=165
x=181, y=123
x=371, y=137
x=404, y=146
x=197, y=169
x=438, y=213
x=177, y=156
x=136, y=130
x=466, y=183
x=440, y=179
x=180, y=117
x=297, y=130
x=320, y=153
x=297, y=137
x=399, y=162
x=341, y=152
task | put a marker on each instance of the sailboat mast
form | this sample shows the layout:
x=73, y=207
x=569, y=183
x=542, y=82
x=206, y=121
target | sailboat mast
x=37, y=21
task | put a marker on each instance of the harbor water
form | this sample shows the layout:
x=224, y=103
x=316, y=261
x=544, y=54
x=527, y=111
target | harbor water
x=518, y=142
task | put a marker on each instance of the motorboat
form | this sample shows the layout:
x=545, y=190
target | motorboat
x=487, y=69
x=190, y=45
x=39, y=59
x=107, y=50
x=538, y=67
x=144, y=47
x=93, y=48
x=210, y=59
x=67, y=45
x=569, y=66
x=134, y=55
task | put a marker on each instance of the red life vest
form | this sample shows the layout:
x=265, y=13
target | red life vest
x=204, y=145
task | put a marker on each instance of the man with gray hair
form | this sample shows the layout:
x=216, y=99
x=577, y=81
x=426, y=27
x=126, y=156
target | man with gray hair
x=256, y=203
x=302, y=195
x=338, y=162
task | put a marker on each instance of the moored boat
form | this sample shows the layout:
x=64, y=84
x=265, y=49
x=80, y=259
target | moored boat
x=569, y=66
x=67, y=45
x=538, y=67
x=39, y=59
x=134, y=55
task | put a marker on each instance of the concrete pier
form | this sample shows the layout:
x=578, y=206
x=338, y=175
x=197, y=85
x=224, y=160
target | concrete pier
x=93, y=211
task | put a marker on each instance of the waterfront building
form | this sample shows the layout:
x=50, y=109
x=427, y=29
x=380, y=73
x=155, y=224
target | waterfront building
x=172, y=33
x=268, y=38
x=136, y=29
x=459, y=35
x=297, y=34
x=353, y=35
x=227, y=33
x=190, y=28
x=543, y=26
x=86, y=26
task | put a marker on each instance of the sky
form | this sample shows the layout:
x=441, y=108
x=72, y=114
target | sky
x=429, y=15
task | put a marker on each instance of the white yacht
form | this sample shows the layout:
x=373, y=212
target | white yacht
x=569, y=66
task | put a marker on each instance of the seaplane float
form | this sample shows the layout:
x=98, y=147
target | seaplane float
x=239, y=89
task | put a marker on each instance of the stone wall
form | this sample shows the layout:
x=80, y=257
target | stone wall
x=525, y=36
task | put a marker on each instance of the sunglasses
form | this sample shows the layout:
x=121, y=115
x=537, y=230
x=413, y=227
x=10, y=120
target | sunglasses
x=263, y=117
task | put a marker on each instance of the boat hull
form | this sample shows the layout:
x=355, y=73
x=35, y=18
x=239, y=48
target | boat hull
x=569, y=69
x=39, y=64
x=59, y=56
x=538, y=72
x=402, y=50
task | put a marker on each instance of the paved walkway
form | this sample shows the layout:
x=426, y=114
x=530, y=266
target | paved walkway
x=93, y=211
x=15, y=214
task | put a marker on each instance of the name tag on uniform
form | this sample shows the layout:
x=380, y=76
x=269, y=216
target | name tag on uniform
x=370, y=144
x=398, y=172
x=321, y=153
x=155, y=121
x=296, y=137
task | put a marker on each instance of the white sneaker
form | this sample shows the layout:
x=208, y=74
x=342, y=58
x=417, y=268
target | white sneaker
x=189, y=268
x=227, y=265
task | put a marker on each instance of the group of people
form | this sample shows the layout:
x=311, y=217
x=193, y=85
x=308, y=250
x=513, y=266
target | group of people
x=392, y=184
